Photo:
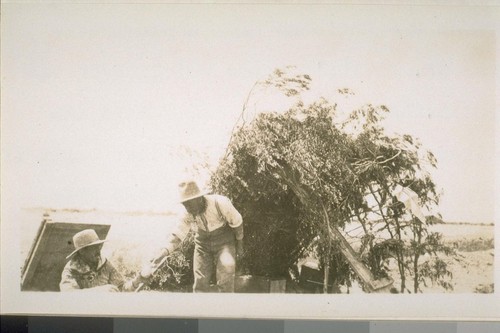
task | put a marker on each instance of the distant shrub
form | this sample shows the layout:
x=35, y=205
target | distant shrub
x=482, y=289
x=476, y=244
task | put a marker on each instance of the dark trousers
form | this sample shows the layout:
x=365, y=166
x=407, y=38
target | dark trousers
x=214, y=251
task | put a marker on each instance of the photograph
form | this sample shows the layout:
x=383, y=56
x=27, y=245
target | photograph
x=334, y=160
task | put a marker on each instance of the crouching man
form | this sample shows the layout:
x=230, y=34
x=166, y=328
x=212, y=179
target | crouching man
x=88, y=270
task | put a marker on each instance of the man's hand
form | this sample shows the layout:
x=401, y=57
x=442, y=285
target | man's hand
x=144, y=276
x=159, y=257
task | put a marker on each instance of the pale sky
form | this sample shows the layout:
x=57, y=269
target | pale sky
x=97, y=99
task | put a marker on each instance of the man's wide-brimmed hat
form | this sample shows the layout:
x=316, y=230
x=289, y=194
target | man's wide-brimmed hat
x=83, y=239
x=190, y=190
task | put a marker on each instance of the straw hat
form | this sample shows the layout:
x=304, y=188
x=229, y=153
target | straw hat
x=190, y=190
x=84, y=239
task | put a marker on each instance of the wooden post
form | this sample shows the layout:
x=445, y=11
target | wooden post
x=326, y=278
x=373, y=286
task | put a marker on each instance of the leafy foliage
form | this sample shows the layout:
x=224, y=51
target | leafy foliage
x=485, y=289
x=176, y=274
x=296, y=174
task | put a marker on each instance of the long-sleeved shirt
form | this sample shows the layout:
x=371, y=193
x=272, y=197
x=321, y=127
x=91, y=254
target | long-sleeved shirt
x=211, y=219
x=79, y=275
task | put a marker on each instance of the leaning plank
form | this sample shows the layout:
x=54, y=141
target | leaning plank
x=372, y=285
x=32, y=250
x=47, y=257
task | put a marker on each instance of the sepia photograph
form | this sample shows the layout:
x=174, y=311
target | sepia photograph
x=278, y=160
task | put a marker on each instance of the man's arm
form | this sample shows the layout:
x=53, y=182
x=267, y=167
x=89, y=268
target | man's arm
x=116, y=279
x=172, y=243
x=232, y=216
x=235, y=221
x=68, y=281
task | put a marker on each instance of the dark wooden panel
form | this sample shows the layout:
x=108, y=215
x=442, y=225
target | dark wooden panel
x=258, y=284
x=48, y=254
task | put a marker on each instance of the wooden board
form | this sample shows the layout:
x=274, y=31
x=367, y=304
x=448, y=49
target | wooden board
x=372, y=285
x=258, y=284
x=47, y=257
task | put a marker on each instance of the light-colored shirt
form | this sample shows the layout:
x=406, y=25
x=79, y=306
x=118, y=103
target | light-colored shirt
x=209, y=220
x=79, y=275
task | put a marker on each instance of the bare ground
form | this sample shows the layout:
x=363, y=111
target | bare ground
x=472, y=267
x=472, y=272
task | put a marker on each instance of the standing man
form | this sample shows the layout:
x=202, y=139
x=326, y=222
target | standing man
x=218, y=230
x=88, y=270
